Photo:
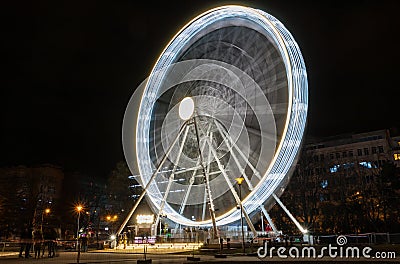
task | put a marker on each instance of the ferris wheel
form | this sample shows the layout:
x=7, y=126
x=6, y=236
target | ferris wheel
x=218, y=123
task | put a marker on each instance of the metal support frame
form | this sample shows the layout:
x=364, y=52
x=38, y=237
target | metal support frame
x=191, y=181
x=150, y=180
x=203, y=215
x=256, y=173
x=226, y=134
x=171, y=176
x=241, y=169
x=208, y=138
x=227, y=180
x=207, y=189
x=212, y=209
x=271, y=223
x=289, y=214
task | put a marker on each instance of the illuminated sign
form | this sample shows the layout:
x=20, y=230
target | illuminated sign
x=144, y=219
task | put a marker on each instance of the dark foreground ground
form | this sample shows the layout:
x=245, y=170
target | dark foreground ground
x=206, y=255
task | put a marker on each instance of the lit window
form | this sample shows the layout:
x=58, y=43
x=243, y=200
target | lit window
x=324, y=184
x=396, y=156
x=334, y=168
x=366, y=164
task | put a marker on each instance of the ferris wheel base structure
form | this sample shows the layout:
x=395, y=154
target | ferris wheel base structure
x=219, y=122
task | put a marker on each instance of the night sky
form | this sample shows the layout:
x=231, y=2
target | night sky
x=70, y=68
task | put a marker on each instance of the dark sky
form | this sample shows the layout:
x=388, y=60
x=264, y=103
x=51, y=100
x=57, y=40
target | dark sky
x=70, y=68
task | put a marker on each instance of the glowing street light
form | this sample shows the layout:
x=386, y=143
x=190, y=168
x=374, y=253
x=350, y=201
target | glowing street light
x=46, y=211
x=240, y=181
x=112, y=219
x=78, y=209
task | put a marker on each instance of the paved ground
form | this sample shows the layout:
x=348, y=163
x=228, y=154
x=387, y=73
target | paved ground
x=163, y=255
x=121, y=257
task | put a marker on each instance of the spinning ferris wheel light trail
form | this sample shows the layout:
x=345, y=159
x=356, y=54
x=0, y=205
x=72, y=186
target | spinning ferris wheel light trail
x=227, y=96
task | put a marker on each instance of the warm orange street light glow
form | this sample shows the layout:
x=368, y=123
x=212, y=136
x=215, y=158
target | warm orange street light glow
x=47, y=210
x=115, y=217
x=108, y=218
x=79, y=208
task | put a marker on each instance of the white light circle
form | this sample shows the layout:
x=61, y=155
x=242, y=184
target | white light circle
x=246, y=58
x=186, y=108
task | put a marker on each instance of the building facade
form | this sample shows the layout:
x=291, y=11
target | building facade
x=345, y=184
x=25, y=194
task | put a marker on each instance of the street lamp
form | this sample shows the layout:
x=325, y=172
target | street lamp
x=240, y=181
x=112, y=219
x=78, y=209
x=46, y=211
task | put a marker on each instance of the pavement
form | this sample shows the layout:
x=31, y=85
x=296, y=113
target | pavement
x=132, y=256
x=115, y=258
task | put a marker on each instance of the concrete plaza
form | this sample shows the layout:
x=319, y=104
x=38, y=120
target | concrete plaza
x=162, y=256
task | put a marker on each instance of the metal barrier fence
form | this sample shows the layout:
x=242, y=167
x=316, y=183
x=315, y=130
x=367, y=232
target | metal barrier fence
x=9, y=246
x=366, y=238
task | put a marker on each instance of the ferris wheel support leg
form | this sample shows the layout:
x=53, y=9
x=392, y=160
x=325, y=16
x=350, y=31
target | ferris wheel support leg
x=207, y=187
x=269, y=219
x=226, y=134
x=289, y=214
x=203, y=216
x=171, y=176
x=191, y=181
x=235, y=195
x=241, y=169
x=205, y=175
x=151, y=180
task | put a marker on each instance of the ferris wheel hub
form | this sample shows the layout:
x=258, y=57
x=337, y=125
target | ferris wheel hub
x=186, y=108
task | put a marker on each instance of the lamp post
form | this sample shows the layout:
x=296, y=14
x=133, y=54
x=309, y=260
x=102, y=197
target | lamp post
x=46, y=211
x=262, y=221
x=111, y=220
x=240, y=181
x=78, y=209
x=160, y=226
